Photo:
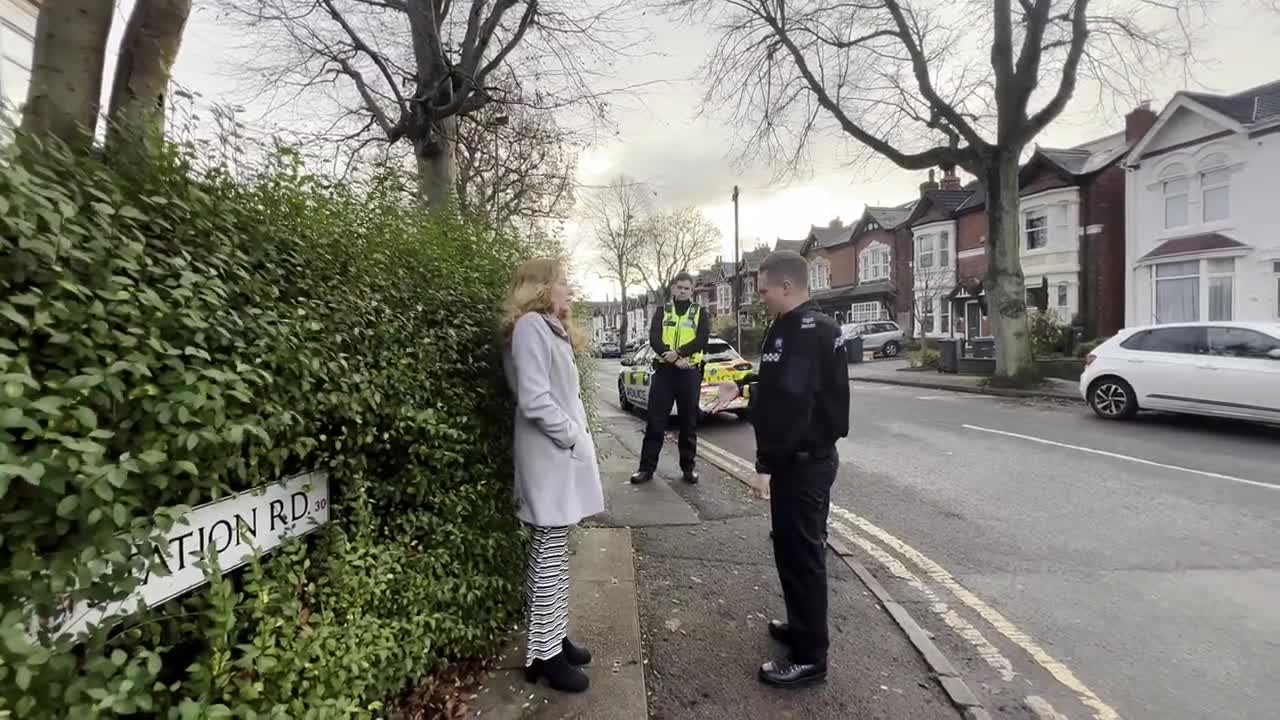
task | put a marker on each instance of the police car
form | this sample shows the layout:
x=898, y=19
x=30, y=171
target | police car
x=721, y=362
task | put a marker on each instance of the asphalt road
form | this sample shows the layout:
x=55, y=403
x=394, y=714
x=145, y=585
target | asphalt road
x=1069, y=566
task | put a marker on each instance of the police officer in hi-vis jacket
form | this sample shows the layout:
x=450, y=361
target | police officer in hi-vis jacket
x=678, y=336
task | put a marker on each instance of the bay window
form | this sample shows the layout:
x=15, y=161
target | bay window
x=1189, y=290
x=934, y=248
x=1035, y=229
x=875, y=263
x=16, y=49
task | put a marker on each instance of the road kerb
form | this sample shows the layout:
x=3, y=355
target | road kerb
x=998, y=392
x=955, y=687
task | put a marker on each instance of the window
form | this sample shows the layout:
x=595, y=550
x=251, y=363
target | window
x=1241, y=343
x=1063, y=294
x=875, y=263
x=1181, y=340
x=863, y=312
x=748, y=290
x=1036, y=298
x=1036, y=229
x=1177, y=292
x=924, y=251
x=724, y=297
x=1221, y=288
x=1276, y=269
x=944, y=249
x=1175, y=202
x=718, y=351
x=944, y=315
x=819, y=275
x=1215, y=195
x=16, y=49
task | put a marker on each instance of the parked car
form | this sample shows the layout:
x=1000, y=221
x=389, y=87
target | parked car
x=721, y=362
x=1226, y=369
x=609, y=350
x=880, y=337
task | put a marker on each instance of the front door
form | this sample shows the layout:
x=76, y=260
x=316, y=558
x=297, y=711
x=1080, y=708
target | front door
x=972, y=319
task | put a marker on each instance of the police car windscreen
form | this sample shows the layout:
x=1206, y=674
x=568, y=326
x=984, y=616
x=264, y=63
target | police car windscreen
x=718, y=350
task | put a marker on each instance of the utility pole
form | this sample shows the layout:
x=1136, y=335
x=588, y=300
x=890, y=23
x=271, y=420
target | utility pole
x=737, y=277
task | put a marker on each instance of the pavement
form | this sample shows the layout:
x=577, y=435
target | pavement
x=673, y=586
x=897, y=371
x=1067, y=566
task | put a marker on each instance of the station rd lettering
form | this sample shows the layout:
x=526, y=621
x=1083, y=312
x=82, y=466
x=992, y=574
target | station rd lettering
x=259, y=519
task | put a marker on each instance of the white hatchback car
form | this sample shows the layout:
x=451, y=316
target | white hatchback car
x=1227, y=369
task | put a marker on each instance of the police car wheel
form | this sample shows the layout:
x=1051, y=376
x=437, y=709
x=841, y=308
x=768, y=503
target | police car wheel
x=623, y=402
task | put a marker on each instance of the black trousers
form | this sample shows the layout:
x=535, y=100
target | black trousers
x=682, y=387
x=800, y=495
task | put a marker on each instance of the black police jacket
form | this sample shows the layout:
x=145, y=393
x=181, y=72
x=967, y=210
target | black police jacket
x=800, y=392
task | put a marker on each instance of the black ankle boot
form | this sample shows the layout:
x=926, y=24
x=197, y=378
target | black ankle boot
x=559, y=673
x=574, y=654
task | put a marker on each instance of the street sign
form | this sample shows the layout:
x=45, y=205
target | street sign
x=259, y=519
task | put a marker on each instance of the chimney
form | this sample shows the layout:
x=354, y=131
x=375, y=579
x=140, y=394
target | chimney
x=949, y=179
x=836, y=224
x=928, y=185
x=1138, y=122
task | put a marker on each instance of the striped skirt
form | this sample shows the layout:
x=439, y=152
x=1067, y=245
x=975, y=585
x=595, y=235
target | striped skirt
x=547, y=592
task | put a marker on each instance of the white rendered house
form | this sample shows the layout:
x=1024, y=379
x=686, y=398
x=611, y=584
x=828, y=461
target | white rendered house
x=1203, y=188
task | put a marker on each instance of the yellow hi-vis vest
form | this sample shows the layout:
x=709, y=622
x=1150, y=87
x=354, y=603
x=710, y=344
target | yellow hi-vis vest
x=680, y=329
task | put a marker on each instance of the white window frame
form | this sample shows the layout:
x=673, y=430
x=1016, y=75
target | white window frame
x=944, y=315
x=1218, y=178
x=1205, y=275
x=1038, y=213
x=875, y=262
x=925, y=248
x=820, y=274
x=5, y=59
x=724, y=298
x=748, y=289
x=1064, y=295
x=1275, y=284
x=867, y=312
x=1181, y=192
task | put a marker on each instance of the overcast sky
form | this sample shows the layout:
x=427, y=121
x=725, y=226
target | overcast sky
x=686, y=160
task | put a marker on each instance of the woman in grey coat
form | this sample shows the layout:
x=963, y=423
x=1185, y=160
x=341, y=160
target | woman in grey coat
x=557, y=480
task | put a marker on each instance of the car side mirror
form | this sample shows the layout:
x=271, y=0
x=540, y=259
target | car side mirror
x=1274, y=354
x=628, y=361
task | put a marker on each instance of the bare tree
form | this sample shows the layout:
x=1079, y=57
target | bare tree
x=66, y=71
x=395, y=71
x=145, y=66
x=905, y=80
x=929, y=285
x=674, y=241
x=618, y=215
x=515, y=164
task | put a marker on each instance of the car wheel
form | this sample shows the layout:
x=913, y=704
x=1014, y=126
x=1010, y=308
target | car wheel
x=890, y=349
x=743, y=415
x=1112, y=398
x=623, y=402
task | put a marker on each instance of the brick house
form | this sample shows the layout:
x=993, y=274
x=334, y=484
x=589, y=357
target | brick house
x=883, y=284
x=748, y=273
x=1071, y=235
x=832, y=267
x=928, y=241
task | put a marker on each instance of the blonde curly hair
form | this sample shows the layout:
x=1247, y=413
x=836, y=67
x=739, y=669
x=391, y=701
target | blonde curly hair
x=531, y=287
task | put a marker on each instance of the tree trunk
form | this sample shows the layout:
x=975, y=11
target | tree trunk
x=437, y=165
x=66, y=71
x=622, y=330
x=1006, y=291
x=147, y=52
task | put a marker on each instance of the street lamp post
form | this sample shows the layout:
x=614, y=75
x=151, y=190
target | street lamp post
x=737, y=277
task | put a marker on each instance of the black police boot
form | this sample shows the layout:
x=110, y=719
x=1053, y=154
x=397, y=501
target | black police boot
x=641, y=476
x=691, y=477
x=559, y=673
x=575, y=655
x=780, y=632
x=786, y=674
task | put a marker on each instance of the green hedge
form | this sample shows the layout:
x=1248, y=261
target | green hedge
x=171, y=336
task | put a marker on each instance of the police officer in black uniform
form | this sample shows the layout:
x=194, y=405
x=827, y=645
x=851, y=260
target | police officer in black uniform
x=800, y=408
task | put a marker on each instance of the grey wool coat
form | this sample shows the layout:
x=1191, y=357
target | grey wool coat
x=557, y=479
